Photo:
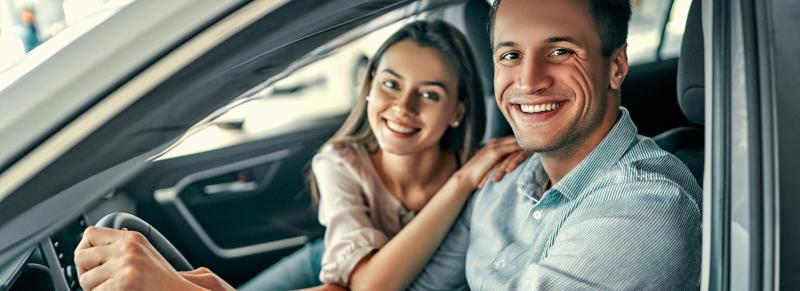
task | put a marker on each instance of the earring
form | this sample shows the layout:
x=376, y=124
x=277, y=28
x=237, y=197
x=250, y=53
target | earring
x=366, y=98
x=455, y=124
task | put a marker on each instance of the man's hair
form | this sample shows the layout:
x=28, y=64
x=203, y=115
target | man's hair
x=610, y=16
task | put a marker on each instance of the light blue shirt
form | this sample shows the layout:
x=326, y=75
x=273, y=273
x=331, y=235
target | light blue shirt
x=626, y=218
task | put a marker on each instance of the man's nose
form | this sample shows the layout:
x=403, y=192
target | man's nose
x=534, y=77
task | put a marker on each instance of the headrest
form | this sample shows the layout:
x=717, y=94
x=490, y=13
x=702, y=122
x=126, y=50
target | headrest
x=691, y=80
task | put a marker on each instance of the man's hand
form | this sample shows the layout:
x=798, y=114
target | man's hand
x=109, y=259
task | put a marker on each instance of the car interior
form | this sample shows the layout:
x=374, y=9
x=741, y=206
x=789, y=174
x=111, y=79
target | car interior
x=240, y=208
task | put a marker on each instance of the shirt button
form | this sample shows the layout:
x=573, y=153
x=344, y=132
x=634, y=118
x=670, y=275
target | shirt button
x=499, y=264
x=537, y=215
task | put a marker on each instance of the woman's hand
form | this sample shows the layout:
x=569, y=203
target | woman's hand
x=501, y=153
x=326, y=287
x=203, y=277
x=110, y=259
x=509, y=163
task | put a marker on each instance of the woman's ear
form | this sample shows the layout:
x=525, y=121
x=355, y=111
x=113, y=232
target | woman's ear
x=459, y=115
x=618, y=68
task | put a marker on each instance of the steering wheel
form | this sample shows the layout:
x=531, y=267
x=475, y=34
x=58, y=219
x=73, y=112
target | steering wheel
x=119, y=220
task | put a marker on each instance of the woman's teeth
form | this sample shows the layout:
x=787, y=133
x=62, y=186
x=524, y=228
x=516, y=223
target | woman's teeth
x=539, y=108
x=399, y=128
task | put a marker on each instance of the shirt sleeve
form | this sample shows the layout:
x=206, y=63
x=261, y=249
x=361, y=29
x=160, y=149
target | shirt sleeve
x=349, y=235
x=446, y=270
x=649, y=242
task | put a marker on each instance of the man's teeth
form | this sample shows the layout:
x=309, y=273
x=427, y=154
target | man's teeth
x=539, y=108
x=399, y=128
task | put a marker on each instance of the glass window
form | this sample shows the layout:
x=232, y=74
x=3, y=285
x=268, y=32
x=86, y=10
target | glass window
x=322, y=90
x=647, y=24
x=674, y=32
x=27, y=24
x=644, y=32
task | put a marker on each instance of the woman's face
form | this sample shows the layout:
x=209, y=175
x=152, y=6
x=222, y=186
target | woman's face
x=413, y=99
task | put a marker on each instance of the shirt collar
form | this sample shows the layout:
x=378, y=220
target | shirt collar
x=606, y=154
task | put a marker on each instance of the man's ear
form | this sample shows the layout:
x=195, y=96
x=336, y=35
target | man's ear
x=618, y=68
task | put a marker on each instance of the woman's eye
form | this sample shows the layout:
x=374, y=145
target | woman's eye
x=430, y=95
x=390, y=84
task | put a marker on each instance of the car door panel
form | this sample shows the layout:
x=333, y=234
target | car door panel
x=238, y=209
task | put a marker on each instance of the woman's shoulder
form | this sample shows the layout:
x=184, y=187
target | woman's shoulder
x=348, y=155
x=339, y=152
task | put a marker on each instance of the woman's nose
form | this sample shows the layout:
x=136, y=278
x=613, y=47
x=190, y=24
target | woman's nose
x=405, y=103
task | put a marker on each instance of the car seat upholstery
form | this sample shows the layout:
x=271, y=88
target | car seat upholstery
x=687, y=142
x=477, y=16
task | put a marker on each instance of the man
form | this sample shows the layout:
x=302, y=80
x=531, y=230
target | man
x=597, y=207
x=28, y=31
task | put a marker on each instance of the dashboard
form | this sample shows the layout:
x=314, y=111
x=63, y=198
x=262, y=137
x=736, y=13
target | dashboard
x=50, y=264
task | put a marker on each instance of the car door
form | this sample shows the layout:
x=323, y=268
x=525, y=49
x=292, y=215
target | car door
x=751, y=196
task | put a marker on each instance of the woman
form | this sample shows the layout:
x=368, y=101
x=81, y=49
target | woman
x=419, y=115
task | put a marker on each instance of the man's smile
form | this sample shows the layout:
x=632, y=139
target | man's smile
x=536, y=113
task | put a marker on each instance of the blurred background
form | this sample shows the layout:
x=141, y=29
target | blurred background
x=25, y=24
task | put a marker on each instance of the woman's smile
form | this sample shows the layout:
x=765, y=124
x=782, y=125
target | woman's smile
x=400, y=129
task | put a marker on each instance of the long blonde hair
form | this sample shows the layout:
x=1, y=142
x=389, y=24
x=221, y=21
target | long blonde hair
x=453, y=48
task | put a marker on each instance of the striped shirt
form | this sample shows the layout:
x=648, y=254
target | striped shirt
x=627, y=217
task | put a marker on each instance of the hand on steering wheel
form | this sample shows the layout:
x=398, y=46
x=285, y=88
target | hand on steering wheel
x=111, y=259
x=115, y=259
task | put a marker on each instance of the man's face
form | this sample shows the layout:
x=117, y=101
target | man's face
x=551, y=79
x=27, y=16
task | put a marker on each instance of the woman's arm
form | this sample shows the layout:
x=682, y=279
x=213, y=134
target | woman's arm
x=391, y=267
x=349, y=233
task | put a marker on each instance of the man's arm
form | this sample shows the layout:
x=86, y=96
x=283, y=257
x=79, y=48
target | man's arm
x=640, y=241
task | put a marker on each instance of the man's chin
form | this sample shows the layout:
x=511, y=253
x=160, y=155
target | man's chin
x=535, y=145
x=539, y=148
x=535, y=142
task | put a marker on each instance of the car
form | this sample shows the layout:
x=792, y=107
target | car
x=200, y=117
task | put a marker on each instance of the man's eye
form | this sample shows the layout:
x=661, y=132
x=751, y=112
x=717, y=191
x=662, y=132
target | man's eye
x=562, y=52
x=390, y=84
x=509, y=56
x=431, y=95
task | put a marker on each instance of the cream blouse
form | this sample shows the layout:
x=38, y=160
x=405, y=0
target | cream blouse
x=359, y=212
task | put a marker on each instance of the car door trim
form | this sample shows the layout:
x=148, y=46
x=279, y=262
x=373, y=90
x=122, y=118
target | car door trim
x=171, y=197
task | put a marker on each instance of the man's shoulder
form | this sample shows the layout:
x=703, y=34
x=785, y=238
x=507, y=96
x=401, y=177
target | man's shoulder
x=645, y=162
x=510, y=182
x=504, y=194
x=646, y=172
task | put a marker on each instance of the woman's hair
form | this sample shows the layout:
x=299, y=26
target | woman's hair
x=454, y=49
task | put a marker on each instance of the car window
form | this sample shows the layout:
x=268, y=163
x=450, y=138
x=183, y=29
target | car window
x=323, y=89
x=646, y=42
x=47, y=26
